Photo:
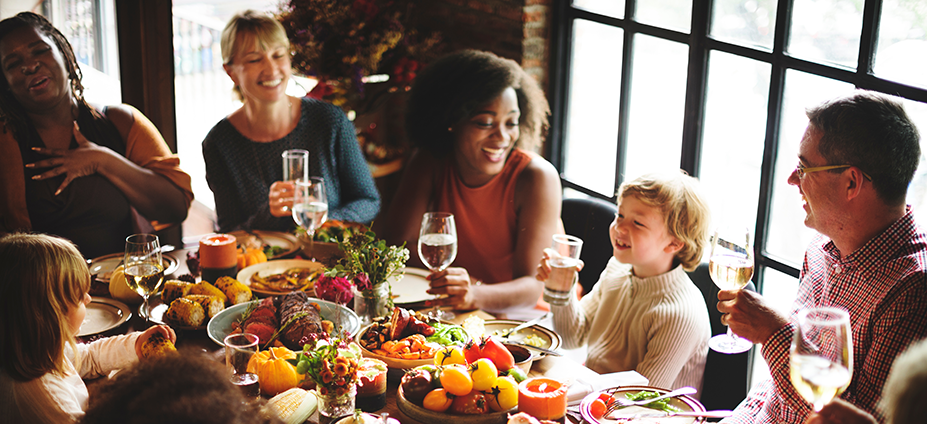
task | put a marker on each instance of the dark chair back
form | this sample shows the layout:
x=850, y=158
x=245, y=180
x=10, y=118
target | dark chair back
x=589, y=219
x=726, y=376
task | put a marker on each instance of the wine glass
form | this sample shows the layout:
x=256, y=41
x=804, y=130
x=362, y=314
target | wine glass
x=143, y=267
x=437, y=247
x=310, y=205
x=821, y=364
x=730, y=267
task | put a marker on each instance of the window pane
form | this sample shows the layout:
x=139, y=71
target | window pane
x=613, y=8
x=826, y=31
x=780, y=290
x=744, y=22
x=591, y=139
x=733, y=137
x=917, y=191
x=672, y=14
x=902, y=52
x=788, y=236
x=658, y=97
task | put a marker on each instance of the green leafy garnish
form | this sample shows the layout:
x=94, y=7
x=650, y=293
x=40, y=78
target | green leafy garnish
x=660, y=405
x=448, y=334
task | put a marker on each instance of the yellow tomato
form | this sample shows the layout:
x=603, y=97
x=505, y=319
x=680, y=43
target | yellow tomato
x=456, y=380
x=437, y=400
x=503, y=395
x=450, y=355
x=484, y=374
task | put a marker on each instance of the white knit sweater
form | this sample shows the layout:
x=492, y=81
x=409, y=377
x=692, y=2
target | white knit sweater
x=657, y=326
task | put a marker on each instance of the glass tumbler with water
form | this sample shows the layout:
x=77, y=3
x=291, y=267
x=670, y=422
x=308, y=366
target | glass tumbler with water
x=564, y=258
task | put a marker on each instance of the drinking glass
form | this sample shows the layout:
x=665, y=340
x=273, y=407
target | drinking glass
x=239, y=348
x=143, y=267
x=437, y=247
x=295, y=165
x=730, y=267
x=310, y=205
x=564, y=252
x=821, y=364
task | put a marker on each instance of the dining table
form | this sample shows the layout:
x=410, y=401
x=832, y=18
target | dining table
x=561, y=368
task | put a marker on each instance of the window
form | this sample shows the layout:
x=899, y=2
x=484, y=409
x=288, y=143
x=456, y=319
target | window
x=719, y=88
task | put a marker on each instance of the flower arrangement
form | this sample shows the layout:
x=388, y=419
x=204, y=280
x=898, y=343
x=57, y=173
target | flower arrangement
x=331, y=364
x=341, y=43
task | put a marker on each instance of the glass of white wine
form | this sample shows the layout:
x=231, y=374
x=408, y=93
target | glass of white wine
x=143, y=267
x=310, y=205
x=437, y=247
x=821, y=362
x=730, y=267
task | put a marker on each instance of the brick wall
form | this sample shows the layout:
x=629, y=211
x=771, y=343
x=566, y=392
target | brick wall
x=515, y=29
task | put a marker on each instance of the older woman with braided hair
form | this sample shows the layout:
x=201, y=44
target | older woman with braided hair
x=68, y=168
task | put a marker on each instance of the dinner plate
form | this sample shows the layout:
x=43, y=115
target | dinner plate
x=287, y=241
x=684, y=403
x=102, y=267
x=411, y=288
x=343, y=318
x=103, y=314
x=157, y=309
x=550, y=339
x=265, y=269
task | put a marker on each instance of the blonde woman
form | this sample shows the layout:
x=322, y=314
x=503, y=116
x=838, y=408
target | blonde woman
x=44, y=286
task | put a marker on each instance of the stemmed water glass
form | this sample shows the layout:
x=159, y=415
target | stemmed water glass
x=730, y=267
x=821, y=362
x=437, y=247
x=143, y=267
x=310, y=205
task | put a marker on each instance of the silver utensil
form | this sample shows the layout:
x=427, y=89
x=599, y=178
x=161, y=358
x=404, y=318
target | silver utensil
x=624, y=402
x=721, y=413
x=527, y=346
x=523, y=325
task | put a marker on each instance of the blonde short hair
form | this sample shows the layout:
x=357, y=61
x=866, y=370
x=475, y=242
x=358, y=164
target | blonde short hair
x=42, y=278
x=906, y=387
x=249, y=28
x=685, y=212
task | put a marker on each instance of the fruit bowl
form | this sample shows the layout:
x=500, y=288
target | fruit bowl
x=419, y=413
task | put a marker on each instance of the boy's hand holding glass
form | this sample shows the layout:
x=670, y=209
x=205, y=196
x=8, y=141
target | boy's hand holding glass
x=560, y=267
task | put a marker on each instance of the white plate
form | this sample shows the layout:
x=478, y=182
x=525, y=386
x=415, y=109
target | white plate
x=683, y=403
x=411, y=288
x=103, y=314
x=552, y=339
x=156, y=311
x=221, y=324
x=287, y=241
x=273, y=267
x=103, y=266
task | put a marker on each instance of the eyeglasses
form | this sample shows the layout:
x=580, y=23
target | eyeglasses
x=801, y=170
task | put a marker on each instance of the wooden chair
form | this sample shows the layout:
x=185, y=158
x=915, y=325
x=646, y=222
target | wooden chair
x=589, y=219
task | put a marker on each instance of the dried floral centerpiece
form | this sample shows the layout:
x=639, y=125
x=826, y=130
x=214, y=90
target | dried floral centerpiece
x=332, y=364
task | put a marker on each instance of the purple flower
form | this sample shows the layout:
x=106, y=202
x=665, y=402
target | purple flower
x=362, y=281
x=334, y=289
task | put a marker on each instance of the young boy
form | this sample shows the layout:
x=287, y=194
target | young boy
x=644, y=313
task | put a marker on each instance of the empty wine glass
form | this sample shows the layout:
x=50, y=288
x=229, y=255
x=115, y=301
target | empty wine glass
x=437, y=247
x=821, y=361
x=143, y=267
x=730, y=267
x=310, y=205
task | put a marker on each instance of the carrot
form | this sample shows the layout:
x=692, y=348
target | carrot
x=388, y=345
x=412, y=355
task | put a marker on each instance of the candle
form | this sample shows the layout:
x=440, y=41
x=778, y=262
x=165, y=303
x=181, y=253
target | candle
x=542, y=398
x=218, y=256
x=371, y=384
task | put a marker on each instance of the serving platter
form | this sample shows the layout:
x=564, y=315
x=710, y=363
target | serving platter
x=221, y=325
x=683, y=403
x=394, y=363
x=411, y=289
x=550, y=340
x=287, y=241
x=103, y=314
x=268, y=268
x=102, y=267
x=419, y=413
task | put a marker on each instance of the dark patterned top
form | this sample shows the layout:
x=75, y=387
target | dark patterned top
x=240, y=171
x=883, y=285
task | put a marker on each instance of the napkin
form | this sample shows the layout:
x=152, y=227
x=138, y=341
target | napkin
x=588, y=383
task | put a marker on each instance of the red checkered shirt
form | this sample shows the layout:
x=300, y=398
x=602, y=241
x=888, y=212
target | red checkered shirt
x=883, y=285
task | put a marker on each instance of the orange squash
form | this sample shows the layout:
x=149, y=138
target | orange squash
x=275, y=374
x=250, y=257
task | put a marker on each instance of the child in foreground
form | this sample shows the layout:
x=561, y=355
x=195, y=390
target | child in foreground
x=644, y=313
x=45, y=286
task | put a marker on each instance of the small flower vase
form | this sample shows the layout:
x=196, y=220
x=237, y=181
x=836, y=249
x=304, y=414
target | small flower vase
x=372, y=303
x=333, y=406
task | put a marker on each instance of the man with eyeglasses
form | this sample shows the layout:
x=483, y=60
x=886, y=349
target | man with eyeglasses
x=856, y=160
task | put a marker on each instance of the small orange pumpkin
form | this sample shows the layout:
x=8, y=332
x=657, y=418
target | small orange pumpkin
x=250, y=257
x=275, y=374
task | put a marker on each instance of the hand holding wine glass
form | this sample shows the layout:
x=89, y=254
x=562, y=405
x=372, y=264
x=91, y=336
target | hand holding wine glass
x=730, y=267
x=821, y=361
x=437, y=247
x=143, y=267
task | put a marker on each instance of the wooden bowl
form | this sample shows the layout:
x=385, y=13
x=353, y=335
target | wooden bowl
x=418, y=413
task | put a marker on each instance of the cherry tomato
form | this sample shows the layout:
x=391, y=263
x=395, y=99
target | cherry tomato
x=607, y=398
x=450, y=355
x=503, y=395
x=597, y=408
x=473, y=403
x=437, y=400
x=484, y=374
x=456, y=380
x=472, y=351
x=497, y=352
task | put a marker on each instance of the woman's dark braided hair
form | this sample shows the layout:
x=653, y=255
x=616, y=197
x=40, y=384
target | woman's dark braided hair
x=12, y=115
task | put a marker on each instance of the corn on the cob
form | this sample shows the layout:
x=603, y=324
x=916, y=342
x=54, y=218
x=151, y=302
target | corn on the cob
x=185, y=312
x=292, y=406
x=234, y=290
x=203, y=287
x=174, y=289
x=157, y=346
x=212, y=305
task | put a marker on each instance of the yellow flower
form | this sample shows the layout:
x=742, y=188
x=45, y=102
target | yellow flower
x=327, y=376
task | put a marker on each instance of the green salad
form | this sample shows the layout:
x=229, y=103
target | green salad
x=660, y=405
x=448, y=334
